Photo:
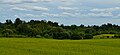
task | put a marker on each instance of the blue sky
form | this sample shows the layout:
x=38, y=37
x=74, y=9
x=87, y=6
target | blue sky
x=68, y=12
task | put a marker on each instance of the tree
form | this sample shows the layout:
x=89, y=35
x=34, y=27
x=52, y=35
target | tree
x=65, y=35
x=55, y=24
x=73, y=27
x=8, y=22
x=17, y=22
x=33, y=32
x=23, y=29
x=7, y=32
x=88, y=36
x=76, y=35
x=62, y=25
x=89, y=31
x=57, y=33
x=82, y=25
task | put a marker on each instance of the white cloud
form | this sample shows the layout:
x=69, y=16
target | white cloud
x=99, y=14
x=27, y=15
x=29, y=1
x=43, y=15
x=35, y=8
x=49, y=14
x=69, y=14
x=106, y=9
x=102, y=1
x=10, y=1
x=30, y=15
x=64, y=14
x=17, y=8
x=66, y=8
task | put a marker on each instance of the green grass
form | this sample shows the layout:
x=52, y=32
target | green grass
x=103, y=36
x=32, y=46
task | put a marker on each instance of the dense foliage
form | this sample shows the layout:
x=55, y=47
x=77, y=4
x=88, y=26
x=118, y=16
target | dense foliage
x=49, y=29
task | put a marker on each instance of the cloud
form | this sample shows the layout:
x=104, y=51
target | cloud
x=50, y=14
x=31, y=15
x=27, y=15
x=28, y=1
x=106, y=9
x=63, y=14
x=67, y=8
x=101, y=1
x=10, y=1
x=37, y=15
x=99, y=14
x=69, y=14
x=17, y=8
x=34, y=8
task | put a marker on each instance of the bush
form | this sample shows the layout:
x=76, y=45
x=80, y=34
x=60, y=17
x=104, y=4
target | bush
x=16, y=36
x=88, y=36
x=38, y=36
x=7, y=32
x=117, y=36
x=76, y=36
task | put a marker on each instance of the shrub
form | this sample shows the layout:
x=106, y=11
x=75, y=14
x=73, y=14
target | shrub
x=88, y=36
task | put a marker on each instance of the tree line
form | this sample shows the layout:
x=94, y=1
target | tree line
x=48, y=29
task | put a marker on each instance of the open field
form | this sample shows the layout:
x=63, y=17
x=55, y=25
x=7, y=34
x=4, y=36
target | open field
x=32, y=46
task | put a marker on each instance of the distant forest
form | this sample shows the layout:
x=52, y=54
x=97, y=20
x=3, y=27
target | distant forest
x=51, y=30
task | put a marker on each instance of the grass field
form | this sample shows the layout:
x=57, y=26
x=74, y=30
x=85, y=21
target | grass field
x=32, y=46
x=103, y=36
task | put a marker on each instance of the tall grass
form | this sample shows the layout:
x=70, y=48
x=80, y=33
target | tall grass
x=33, y=46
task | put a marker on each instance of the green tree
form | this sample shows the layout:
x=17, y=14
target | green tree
x=57, y=33
x=88, y=36
x=89, y=31
x=23, y=29
x=17, y=22
x=8, y=22
x=76, y=35
x=7, y=32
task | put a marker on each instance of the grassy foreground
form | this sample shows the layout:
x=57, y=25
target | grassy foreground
x=32, y=46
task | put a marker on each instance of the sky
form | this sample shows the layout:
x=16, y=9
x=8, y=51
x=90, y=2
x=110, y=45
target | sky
x=68, y=12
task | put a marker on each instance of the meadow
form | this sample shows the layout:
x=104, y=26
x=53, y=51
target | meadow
x=34, y=46
x=104, y=36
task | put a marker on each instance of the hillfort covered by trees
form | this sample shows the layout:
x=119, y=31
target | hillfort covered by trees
x=51, y=30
